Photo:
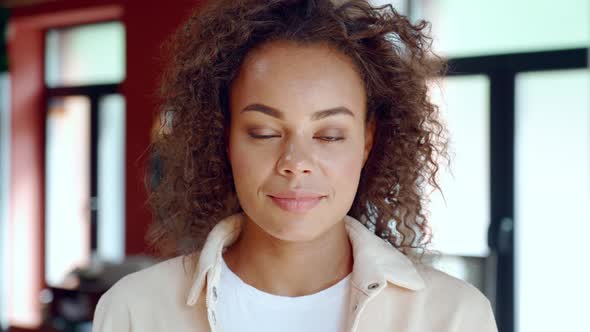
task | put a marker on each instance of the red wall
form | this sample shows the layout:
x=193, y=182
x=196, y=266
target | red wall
x=147, y=24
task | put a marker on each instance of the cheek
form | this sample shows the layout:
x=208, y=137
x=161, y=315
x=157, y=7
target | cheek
x=241, y=159
x=343, y=166
x=250, y=167
x=345, y=158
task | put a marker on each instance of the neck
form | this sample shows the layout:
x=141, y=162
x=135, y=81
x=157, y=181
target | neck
x=290, y=268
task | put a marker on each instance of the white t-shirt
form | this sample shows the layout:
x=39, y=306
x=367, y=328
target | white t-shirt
x=244, y=308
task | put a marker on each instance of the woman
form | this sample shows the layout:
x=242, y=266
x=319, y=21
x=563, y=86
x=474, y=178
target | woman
x=297, y=143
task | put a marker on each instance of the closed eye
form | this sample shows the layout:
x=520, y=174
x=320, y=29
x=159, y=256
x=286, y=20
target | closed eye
x=263, y=136
x=330, y=138
x=323, y=138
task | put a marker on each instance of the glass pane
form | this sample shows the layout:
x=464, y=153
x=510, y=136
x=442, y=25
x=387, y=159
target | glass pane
x=467, y=27
x=4, y=190
x=460, y=219
x=67, y=227
x=87, y=54
x=552, y=210
x=111, y=178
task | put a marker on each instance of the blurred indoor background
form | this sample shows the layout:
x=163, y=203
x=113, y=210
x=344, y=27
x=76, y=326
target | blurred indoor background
x=78, y=81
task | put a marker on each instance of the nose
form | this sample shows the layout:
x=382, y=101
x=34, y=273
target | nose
x=296, y=160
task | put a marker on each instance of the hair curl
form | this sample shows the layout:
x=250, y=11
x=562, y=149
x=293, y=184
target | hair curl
x=394, y=58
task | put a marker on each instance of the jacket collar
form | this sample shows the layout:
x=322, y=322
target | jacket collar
x=375, y=261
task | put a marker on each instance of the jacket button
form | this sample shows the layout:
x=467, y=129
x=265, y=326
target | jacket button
x=212, y=317
x=214, y=293
x=373, y=286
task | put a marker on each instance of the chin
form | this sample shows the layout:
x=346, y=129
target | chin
x=293, y=228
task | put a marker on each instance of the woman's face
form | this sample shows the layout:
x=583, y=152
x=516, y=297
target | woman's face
x=297, y=139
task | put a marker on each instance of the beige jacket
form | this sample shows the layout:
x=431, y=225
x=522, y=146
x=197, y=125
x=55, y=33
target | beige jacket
x=388, y=292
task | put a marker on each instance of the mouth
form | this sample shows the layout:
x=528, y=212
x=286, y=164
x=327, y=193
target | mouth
x=298, y=204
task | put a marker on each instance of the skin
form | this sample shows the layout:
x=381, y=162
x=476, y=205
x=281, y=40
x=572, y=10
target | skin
x=294, y=253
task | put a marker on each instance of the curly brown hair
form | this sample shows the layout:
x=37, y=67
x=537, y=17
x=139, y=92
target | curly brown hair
x=394, y=58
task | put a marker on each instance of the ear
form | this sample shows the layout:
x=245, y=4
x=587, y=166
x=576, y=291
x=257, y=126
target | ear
x=370, y=129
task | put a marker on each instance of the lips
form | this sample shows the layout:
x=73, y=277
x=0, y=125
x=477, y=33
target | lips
x=297, y=194
x=296, y=201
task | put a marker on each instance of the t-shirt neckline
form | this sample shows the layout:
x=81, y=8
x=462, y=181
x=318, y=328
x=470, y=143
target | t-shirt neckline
x=332, y=293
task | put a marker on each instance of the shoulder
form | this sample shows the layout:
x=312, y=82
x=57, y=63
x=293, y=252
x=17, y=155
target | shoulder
x=438, y=283
x=172, y=274
x=131, y=299
x=165, y=282
x=463, y=300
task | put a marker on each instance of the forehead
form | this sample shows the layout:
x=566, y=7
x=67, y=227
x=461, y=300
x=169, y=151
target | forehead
x=298, y=79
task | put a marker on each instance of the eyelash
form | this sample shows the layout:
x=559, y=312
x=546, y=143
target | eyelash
x=327, y=139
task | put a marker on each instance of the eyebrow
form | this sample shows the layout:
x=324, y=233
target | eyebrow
x=280, y=115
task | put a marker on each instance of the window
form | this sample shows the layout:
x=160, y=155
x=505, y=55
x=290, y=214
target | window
x=468, y=28
x=552, y=195
x=4, y=168
x=4, y=189
x=85, y=55
x=85, y=140
x=461, y=214
x=461, y=217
